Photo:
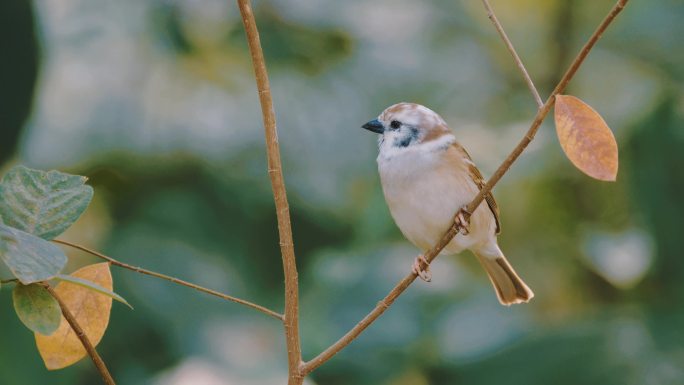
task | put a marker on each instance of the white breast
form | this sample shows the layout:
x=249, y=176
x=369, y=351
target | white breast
x=423, y=194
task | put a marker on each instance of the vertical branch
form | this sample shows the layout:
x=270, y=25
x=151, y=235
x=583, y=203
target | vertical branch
x=97, y=360
x=275, y=172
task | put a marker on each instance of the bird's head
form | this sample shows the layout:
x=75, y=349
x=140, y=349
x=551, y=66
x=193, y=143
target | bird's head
x=407, y=124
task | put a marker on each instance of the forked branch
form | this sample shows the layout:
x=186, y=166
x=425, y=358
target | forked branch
x=544, y=110
x=452, y=231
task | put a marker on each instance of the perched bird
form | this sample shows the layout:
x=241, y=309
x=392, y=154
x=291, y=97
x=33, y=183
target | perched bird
x=427, y=177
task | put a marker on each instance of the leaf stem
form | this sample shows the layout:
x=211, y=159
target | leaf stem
x=97, y=360
x=275, y=172
x=511, y=49
x=386, y=302
x=171, y=279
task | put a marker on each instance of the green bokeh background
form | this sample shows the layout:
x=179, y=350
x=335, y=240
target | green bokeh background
x=155, y=102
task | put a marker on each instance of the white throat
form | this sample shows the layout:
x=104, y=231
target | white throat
x=389, y=149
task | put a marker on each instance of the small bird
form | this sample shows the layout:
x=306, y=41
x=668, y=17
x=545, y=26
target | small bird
x=427, y=177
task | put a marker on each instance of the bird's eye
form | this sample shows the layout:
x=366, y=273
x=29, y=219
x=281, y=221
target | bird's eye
x=395, y=124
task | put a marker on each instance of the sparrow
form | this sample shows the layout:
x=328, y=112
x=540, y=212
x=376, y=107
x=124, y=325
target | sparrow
x=427, y=177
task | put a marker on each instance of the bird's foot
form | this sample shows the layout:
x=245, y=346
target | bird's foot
x=462, y=223
x=417, y=268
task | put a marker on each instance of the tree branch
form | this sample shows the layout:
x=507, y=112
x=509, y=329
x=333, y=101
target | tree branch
x=275, y=172
x=171, y=279
x=453, y=230
x=511, y=49
x=97, y=360
x=544, y=110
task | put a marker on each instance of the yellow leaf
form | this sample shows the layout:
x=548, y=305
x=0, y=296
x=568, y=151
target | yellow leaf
x=91, y=309
x=585, y=138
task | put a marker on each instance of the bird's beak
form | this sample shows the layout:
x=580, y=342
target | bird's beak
x=375, y=126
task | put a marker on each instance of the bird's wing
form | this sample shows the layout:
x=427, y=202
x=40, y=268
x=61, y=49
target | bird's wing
x=480, y=182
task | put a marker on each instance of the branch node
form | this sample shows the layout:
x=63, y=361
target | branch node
x=383, y=305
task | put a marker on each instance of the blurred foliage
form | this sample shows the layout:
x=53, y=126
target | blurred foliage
x=657, y=186
x=18, y=71
x=155, y=102
x=292, y=45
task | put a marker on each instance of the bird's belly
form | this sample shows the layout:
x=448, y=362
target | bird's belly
x=424, y=208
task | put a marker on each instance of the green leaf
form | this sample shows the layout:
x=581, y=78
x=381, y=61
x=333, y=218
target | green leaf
x=92, y=286
x=36, y=308
x=29, y=258
x=42, y=203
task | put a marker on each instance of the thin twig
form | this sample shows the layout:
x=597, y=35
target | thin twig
x=511, y=49
x=4, y=281
x=453, y=230
x=97, y=360
x=171, y=279
x=275, y=172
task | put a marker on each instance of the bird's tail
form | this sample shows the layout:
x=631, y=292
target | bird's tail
x=510, y=289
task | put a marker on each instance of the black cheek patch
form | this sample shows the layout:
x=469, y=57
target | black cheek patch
x=413, y=135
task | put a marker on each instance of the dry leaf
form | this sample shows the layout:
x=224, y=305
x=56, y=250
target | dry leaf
x=585, y=138
x=91, y=310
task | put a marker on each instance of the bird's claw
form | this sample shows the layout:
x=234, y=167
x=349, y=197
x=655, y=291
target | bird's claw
x=462, y=223
x=418, y=270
